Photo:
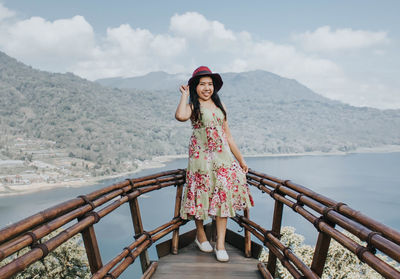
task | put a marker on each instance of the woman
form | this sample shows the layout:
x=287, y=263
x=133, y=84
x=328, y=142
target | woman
x=216, y=183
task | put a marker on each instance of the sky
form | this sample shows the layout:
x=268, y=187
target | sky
x=343, y=50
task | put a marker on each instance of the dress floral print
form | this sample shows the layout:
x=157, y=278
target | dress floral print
x=216, y=184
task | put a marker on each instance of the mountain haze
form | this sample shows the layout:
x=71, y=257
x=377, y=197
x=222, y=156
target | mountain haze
x=114, y=127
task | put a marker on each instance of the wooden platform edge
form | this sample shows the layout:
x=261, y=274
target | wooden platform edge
x=233, y=238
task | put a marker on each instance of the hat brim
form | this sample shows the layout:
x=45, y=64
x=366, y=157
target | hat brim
x=216, y=79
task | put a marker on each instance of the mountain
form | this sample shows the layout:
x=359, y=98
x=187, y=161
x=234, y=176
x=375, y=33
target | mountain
x=259, y=83
x=152, y=81
x=101, y=125
x=272, y=114
x=111, y=126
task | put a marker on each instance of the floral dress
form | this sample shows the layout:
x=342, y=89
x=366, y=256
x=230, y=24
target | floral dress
x=215, y=183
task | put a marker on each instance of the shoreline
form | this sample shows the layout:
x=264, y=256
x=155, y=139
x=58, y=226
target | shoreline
x=22, y=189
x=160, y=161
x=360, y=150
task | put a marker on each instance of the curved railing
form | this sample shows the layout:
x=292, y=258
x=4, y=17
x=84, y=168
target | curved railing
x=28, y=232
x=324, y=214
x=321, y=211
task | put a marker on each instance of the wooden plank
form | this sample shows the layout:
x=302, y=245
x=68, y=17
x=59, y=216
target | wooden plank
x=191, y=263
x=236, y=240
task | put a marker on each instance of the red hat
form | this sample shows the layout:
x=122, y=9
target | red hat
x=205, y=71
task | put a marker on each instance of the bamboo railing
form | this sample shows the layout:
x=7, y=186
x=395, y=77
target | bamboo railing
x=325, y=214
x=29, y=231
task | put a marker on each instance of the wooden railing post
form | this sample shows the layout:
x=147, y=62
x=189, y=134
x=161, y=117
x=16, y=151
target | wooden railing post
x=175, y=234
x=320, y=253
x=276, y=229
x=138, y=227
x=247, y=236
x=92, y=249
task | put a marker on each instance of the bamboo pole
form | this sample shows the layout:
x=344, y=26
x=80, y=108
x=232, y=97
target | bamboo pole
x=26, y=232
x=365, y=255
x=35, y=254
x=247, y=236
x=378, y=241
x=43, y=216
x=285, y=250
x=92, y=249
x=276, y=228
x=355, y=215
x=320, y=253
x=147, y=243
x=24, y=240
x=126, y=251
x=175, y=234
x=272, y=249
x=150, y=271
x=138, y=227
x=107, y=267
x=264, y=271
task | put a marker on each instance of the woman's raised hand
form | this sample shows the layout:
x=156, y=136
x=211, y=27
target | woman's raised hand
x=184, y=90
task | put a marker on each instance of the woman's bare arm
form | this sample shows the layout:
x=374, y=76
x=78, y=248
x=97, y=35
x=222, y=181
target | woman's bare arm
x=232, y=145
x=184, y=110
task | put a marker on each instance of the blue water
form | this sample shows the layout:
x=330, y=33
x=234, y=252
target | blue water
x=366, y=182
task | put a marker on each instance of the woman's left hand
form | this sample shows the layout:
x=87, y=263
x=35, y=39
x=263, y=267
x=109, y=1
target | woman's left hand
x=244, y=166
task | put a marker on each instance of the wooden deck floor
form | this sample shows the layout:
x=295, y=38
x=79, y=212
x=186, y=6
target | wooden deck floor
x=191, y=263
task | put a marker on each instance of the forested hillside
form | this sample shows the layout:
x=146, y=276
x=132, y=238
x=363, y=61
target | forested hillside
x=101, y=125
x=113, y=127
x=272, y=114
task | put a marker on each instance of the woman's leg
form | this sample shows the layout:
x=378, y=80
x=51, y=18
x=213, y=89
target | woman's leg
x=221, y=231
x=201, y=234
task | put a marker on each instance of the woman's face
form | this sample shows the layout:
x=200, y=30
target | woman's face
x=205, y=88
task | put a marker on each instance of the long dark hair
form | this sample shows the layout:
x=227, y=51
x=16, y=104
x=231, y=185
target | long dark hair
x=194, y=99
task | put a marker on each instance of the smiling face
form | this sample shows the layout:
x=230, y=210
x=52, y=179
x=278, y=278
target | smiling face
x=205, y=88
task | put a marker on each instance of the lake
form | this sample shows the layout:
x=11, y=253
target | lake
x=369, y=182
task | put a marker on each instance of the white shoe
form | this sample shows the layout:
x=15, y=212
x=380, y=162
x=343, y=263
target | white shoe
x=221, y=255
x=205, y=246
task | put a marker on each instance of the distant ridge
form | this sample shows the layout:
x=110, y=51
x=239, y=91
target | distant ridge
x=258, y=80
x=151, y=81
x=109, y=126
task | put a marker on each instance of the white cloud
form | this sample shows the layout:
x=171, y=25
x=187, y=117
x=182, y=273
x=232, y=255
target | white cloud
x=197, y=28
x=325, y=39
x=284, y=60
x=5, y=13
x=70, y=45
x=192, y=40
x=130, y=52
x=49, y=45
